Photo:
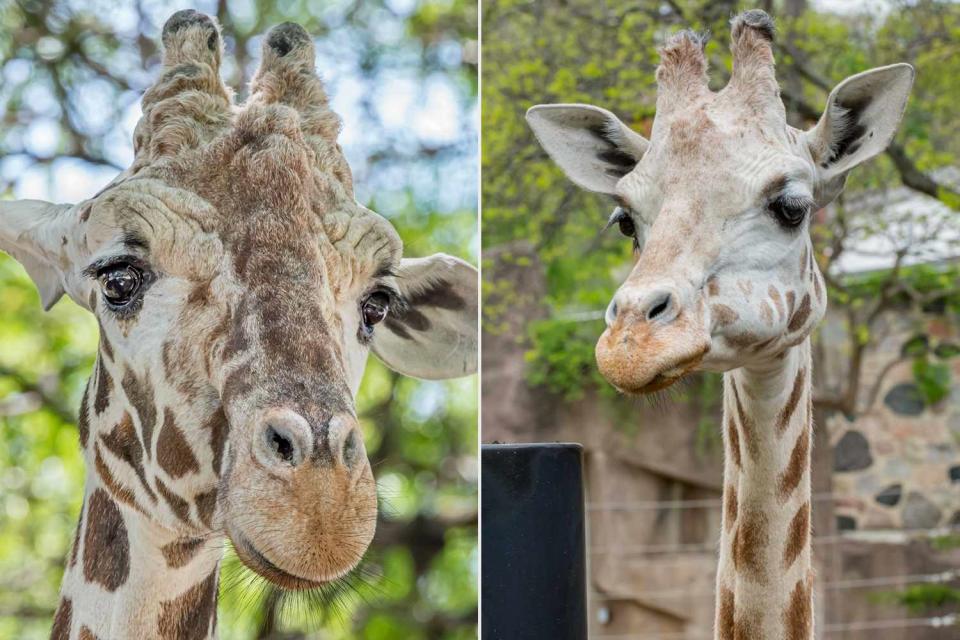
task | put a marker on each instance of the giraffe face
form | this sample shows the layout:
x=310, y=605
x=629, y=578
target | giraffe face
x=717, y=204
x=240, y=288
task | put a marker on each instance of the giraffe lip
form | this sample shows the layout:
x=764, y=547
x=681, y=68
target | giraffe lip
x=262, y=565
x=663, y=380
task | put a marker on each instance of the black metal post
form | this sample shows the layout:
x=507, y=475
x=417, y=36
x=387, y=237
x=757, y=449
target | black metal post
x=533, y=542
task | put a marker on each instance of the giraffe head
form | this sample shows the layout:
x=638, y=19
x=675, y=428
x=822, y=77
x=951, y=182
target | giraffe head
x=239, y=287
x=718, y=204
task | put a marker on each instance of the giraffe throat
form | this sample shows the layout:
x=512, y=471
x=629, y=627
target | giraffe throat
x=765, y=576
x=146, y=554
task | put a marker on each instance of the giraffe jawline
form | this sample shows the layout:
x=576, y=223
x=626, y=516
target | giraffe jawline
x=261, y=565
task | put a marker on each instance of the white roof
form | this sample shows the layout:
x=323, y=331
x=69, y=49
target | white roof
x=883, y=222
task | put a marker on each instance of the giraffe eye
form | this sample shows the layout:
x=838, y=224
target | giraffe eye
x=373, y=309
x=621, y=218
x=790, y=212
x=120, y=283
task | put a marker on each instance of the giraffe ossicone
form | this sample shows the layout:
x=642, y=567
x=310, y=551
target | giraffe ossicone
x=718, y=204
x=239, y=288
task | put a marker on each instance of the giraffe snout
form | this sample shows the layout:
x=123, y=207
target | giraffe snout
x=654, y=337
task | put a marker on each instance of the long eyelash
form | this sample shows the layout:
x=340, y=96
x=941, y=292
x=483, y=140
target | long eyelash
x=615, y=217
x=398, y=304
x=93, y=270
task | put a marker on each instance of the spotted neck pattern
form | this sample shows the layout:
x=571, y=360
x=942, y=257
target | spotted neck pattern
x=146, y=554
x=765, y=577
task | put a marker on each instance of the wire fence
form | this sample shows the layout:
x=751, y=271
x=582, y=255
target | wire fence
x=696, y=547
x=837, y=585
x=830, y=630
x=717, y=503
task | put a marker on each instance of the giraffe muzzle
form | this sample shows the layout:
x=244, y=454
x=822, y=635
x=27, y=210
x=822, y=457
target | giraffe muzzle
x=301, y=501
x=653, y=339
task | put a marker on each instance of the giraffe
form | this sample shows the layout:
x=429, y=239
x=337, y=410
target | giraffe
x=239, y=288
x=717, y=204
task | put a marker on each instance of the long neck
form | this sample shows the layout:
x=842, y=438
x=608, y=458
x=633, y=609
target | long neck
x=129, y=574
x=764, y=580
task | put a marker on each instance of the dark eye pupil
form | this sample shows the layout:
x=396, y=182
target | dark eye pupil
x=788, y=213
x=626, y=226
x=120, y=284
x=375, y=309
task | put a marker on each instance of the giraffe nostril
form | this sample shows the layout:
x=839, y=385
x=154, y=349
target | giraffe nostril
x=659, y=306
x=351, y=448
x=281, y=444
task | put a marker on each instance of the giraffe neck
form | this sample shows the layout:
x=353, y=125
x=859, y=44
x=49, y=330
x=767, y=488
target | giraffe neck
x=129, y=574
x=764, y=577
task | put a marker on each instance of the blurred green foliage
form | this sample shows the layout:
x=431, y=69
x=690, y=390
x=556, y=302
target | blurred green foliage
x=72, y=77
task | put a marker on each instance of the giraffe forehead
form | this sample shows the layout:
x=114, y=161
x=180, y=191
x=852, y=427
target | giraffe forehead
x=190, y=228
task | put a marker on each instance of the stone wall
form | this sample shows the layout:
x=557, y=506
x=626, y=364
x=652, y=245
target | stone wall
x=897, y=465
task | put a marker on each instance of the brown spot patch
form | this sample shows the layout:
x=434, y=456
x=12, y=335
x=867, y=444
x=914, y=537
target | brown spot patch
x=751, y=538
x=180, y=552
x=83, y=417
x=804, y=261
x=791, y=302
x=733, y=440
x=218, y=426
x=62, y=620
x=105, y=347
x=800, y=317
x=117, y=489
x=104, y=387
x=798, y=534
x=189, y=616
x=798, y=464
x=786, y=413
x=746, y=287
x=179, y=506
x=713, y=287
x=174, y=455
x=725, y=615
x=76, y=538
x=798, y=617
x=747, y=426
x=86, y=634
x=777, y=300
x=725, y=315
x=747, y=626
x=730, y=506
x=140, y=395
x=206, y=504
x=122, y=442
x=106, y=548
x=766, y=313
x=817, y=287
x=200, y=294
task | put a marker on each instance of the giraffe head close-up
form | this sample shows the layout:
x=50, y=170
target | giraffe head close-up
x=239, y=288
x=718, y=203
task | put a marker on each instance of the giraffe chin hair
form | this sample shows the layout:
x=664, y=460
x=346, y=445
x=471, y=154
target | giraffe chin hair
x=663, y=380
x=261, y=565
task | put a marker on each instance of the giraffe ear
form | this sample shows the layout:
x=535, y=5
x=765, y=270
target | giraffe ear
x=592, y=146
x=860, y=120
x=33, y=231
x=435, y=335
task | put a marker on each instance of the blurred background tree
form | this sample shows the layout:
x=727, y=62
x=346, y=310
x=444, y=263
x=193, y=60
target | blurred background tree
x=402, y=74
